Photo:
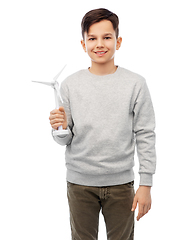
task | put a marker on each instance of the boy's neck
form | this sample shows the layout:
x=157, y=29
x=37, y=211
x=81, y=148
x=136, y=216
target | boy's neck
x=102, y=69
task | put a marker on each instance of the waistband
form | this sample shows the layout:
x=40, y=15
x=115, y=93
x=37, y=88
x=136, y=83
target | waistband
x=100, y=180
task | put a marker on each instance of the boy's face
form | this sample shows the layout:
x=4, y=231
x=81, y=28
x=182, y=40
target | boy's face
x=100, y=42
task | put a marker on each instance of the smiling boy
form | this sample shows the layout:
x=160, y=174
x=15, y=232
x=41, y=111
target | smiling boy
x=101, y=44
x=108, y=111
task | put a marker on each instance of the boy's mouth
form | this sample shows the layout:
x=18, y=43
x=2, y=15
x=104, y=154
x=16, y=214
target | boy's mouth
x=100, y=53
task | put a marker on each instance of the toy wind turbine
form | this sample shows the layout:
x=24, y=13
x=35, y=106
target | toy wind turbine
x=58, y=100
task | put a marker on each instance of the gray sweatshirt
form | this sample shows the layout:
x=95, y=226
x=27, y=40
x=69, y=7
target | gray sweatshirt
x=107, y=117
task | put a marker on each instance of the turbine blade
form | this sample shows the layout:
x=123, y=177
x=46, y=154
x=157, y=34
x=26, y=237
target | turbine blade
x=57, y=76
x=46, y=83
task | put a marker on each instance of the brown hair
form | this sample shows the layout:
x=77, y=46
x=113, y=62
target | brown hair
x=98, y=15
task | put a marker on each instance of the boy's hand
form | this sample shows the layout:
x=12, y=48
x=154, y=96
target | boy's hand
x=143, y=198
x=57, y=118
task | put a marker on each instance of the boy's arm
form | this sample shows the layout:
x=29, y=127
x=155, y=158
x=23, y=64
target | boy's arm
x=144, y=125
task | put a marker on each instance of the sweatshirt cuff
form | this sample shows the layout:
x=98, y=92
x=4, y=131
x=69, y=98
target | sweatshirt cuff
x=146, y=179
x=63, y=140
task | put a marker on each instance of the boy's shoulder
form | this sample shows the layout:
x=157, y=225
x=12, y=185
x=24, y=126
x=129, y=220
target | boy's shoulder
x=74, y=77
x=131, y=77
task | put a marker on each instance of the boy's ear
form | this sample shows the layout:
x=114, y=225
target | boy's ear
x=119, y=41
x=83, y=45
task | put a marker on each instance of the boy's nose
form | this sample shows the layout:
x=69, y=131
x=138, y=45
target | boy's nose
x=100, y=43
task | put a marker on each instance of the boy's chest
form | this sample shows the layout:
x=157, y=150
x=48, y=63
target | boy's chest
x=100, y=100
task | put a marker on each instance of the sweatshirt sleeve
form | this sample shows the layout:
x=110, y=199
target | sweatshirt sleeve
x=66, y=104
x=144, y=125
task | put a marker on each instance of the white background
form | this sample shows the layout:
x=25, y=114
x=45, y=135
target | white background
x=37, y=39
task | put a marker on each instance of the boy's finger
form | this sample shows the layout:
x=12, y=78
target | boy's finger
x=141, y=212
x=55, y=111
x=146, y=209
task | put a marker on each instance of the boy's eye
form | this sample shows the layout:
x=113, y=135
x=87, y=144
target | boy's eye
x=92, y=39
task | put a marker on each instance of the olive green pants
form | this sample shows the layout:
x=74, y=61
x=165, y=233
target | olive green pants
x=115, y=202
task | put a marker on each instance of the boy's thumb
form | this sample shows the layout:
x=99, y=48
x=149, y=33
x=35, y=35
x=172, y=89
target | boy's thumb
x=61, y=109
x=134, y=205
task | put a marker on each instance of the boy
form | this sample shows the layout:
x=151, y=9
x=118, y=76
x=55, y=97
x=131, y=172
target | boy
x=107, y=110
